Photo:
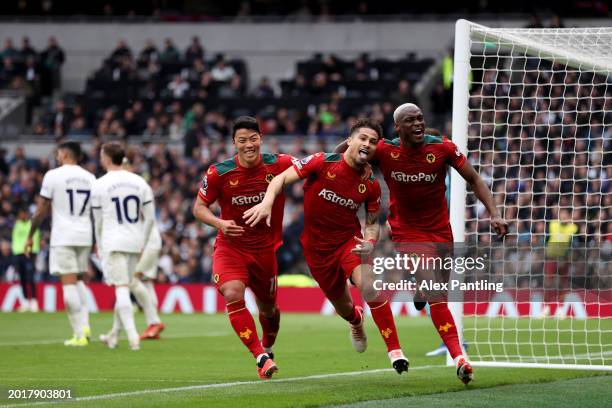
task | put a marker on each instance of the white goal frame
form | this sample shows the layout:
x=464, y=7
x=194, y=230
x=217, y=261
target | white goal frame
x=464, y=32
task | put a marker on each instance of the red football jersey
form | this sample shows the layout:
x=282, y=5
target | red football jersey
x=237, y=189
x=333, y=193
x=416, y=181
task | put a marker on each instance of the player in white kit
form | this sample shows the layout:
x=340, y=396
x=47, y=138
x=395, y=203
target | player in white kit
x=67, y=189
x=123, y=211
x=146, y=273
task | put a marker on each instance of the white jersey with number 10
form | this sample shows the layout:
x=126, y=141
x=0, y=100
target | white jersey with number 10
x=121, y=196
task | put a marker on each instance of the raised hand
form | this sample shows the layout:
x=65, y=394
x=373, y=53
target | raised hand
x=257, y=213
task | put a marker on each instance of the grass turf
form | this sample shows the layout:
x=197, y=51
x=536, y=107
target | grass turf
x=198, y=351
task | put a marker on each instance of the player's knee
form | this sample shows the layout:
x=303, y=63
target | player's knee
x=232, y=292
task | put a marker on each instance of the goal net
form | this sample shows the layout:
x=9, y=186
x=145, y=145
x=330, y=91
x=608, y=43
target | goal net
x=533, y=110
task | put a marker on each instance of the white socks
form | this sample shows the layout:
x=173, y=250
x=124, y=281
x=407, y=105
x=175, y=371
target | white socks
x=83, y=297
x=73, y=309
x=125, y=310
x=151, y=289
x=142, y=295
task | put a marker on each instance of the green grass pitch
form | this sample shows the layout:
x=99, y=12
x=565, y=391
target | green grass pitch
x=200, y=362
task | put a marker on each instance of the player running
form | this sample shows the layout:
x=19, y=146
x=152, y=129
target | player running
x=336, y=187
x=243, y=255
x=414, y=166
x=67, y=189
x=124, y=214
x=146, y=273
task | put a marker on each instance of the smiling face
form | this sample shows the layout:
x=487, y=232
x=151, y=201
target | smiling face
x=410, y=125
x=362, y=145
x=248, y=143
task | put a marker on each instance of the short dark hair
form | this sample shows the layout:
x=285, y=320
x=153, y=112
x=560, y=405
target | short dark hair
x=245, y=122
x=115, y=151
x=73, y=147
x=433, y=132
x=367, y=123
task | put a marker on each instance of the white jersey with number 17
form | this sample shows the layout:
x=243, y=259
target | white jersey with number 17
x=69, y=189
x=121, y=196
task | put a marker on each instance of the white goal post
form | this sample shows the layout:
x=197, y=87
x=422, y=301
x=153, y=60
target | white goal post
x=532, y=108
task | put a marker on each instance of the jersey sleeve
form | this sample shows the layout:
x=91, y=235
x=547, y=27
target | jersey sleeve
x=309, y=165
x=285, y=161
x=453, y=156
x=373, y=201
x=46, y=190
x=147, y=194
x=210, y=186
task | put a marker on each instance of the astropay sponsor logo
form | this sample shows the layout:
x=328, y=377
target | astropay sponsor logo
x=332, y=197
x=246, y=200
x=413, y=178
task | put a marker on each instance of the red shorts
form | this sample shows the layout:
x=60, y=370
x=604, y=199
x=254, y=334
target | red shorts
x=420, y=243
x=332, y=269
x=441, y=236
x=258, y=270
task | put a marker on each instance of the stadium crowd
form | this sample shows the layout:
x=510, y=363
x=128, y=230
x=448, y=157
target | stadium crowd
x=551, y=138
x=174, y=94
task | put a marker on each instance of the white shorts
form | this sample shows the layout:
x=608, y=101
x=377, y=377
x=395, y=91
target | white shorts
x=147, y=265
x=68, y=259
x=119, y=267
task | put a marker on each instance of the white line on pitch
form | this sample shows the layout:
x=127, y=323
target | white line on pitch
x=592, y=356
x=219, y=385
x=61, y=341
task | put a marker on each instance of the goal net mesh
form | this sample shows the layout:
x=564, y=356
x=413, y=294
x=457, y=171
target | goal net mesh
x=540, y=135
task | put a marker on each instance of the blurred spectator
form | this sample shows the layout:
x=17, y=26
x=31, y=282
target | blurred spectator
x=149, y=53
x=359, y=72
x=26, y=52
x=332, y=67
x=9, y=50
x=122, y=50
x=234, y=89
x=178, y=87
x=195, y=50
x=9, y=70
x=24, y=265
x=197, y=69
x=170, y=54
x=403, y=94
x=222, y=71
x=59, y=120
x=264, y=89
x=130, y=123
x=52, y=59
x=152, y=129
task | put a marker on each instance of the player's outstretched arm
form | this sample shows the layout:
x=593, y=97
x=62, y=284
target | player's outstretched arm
x=148, y=213
x=203, y=213
x=365, y=246
x=484, y=195
x=42, y=209
x=97, y=215
x=263, y=210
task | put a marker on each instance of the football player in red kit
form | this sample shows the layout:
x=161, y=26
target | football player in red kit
x=246, y=255
x=414, y=167
x=336, y=186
